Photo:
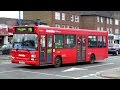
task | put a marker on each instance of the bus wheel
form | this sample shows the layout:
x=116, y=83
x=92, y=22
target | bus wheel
x=92, y=59
x=58, y=62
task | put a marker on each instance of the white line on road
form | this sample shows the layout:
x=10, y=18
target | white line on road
x=84, y=68
x=89, y=75
x=73, y=69
x=9, y=71
x=49, y=74
x=62, y=75
x=98, y=65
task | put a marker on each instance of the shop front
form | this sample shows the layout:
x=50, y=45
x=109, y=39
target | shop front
x=3, y=36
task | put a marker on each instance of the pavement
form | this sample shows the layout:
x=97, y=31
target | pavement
x=5, y=57
x=106, y=74
x=110, y=74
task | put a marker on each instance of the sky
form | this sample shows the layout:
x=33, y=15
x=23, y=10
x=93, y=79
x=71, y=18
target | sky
x=11, y=14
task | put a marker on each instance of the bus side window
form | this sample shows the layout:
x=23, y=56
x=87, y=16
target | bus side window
x=59, y=41
x=99, y=41
x=70, y=41
x=104, y=41
x=92, y=41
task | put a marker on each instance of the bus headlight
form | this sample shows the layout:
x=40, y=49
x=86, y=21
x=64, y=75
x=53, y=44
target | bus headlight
x=12, y=57
x=33, y=57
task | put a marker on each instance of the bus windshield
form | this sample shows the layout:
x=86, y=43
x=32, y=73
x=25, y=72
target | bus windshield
x=25, y=41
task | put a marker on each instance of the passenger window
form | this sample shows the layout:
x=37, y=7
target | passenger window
x=92, y=41
x=99, y=41
x=70, y=41
x=59, y=41
x=104, y=41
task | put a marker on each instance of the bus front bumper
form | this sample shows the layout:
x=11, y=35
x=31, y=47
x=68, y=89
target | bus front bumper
x=34, y=63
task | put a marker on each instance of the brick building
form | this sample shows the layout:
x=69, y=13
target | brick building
x=65, y=19
x=96, y=20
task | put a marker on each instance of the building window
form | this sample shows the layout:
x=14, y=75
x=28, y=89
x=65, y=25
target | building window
x=76, y=18
x=72, y=27
x=116, y=31
x=72, y=18
x=116, y=22
x=67, y=26
x=98, y=28
x=98, y=19
x=101, y=19
x=63, y=16
x=110, y=21
x=101, y=28
x=110, y=31
x=57, y=15
x=63, y=26
x=57, y=25
x=107, y=20
x=76, y=27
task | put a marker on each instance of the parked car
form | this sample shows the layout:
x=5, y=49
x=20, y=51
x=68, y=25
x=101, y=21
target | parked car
x=6, y=48
x=114, y=49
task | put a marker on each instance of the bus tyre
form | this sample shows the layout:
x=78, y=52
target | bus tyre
x=58, y=62
x=116, y=52
x=92, y=59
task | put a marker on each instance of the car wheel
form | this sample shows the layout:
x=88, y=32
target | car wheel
x=116, y=53
x=113, y=54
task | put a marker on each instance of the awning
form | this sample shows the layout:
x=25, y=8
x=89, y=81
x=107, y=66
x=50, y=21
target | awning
x=3, y=32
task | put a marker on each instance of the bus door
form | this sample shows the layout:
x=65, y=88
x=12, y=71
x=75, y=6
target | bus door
x=46, y=49
x=49, y=48
x=81, y=48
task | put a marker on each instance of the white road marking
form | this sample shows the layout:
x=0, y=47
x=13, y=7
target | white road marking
x=89, y=75
x=73, y=69
x=38, y=73
x=8, y=71
x=50, y=74
x=98, y=65
x=84, y=68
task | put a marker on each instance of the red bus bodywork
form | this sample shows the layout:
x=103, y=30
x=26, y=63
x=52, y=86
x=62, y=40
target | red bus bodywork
x=67, y=55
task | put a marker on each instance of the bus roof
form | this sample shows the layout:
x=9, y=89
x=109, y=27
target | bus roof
x=64, y=30
x=72, y=30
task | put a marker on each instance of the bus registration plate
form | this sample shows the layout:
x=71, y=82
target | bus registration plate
x=21, y=62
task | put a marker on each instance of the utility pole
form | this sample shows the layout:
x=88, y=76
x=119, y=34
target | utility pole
x=19, y=18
